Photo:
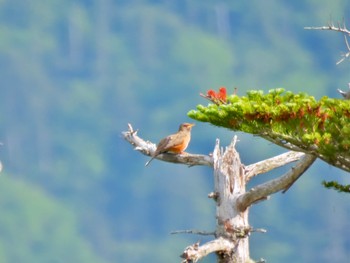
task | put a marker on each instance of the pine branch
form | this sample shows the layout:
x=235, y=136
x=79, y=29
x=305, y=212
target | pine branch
x=297, y=122
x=336, y=186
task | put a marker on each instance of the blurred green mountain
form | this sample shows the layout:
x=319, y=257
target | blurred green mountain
x=36, y=228
x=74, y=73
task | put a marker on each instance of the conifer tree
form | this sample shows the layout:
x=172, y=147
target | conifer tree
x=307, y=127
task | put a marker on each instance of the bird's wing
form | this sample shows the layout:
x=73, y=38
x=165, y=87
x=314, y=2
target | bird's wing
x=160, y=148
x=169, y=142
x=162, y=145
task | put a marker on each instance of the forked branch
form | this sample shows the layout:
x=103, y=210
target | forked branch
x=341, y=27
x=271, y=163
x=283, y=182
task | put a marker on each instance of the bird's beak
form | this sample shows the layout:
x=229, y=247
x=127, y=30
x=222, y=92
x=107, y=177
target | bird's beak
x=192, y=124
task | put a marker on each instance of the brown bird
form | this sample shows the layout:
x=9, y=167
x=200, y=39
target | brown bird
x=175, y=143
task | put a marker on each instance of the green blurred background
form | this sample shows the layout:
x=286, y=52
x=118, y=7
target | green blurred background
x=74, y=73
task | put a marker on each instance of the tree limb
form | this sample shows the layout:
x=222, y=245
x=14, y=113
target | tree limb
x=148, y=148
x=340, y=28
x=196, y=252
x=195, y=232
x=345, y=55
x=271, y=163
x=329, y=27
x=281, y=183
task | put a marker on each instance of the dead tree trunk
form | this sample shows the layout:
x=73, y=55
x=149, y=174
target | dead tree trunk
x=229, y=183
x=232, y=228
x=231, y=243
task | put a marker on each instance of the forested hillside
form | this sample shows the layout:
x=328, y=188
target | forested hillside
x=74, y=73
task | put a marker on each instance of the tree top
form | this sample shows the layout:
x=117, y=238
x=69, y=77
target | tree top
x=296, y=121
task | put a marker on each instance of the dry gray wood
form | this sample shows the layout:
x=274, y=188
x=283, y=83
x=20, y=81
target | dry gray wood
x=229, y=182
x=271, y=163
x=232, y=201
x=195, y=252
x=148, y=148
x=283, y=182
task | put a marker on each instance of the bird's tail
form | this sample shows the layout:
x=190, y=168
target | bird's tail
x=150, y=160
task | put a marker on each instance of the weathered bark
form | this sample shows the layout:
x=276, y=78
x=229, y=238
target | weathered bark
x=231, y=243
x=232, y=228
x=232, y=224
x=148, y=148
x=284, y=182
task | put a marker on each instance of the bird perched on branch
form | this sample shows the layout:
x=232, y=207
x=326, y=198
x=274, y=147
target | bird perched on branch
x=175, y=143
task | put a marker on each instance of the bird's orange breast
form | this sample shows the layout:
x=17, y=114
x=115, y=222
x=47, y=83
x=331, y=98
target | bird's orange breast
x=178, y=148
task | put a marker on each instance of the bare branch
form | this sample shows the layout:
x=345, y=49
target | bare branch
x=347, y=54
x=340, y=28
x=345, y=94
x=148, y=148
x=272, y=163
x=304, y=165
x=346, y=42
x=259, y=230
x=281, y=183
x=330, y=27
x=196, y=252
x=195, y=232
x=212, y=233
